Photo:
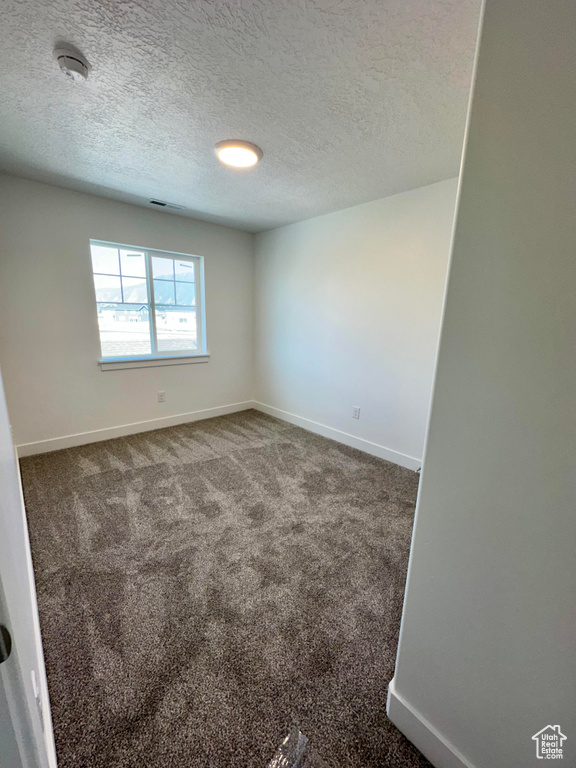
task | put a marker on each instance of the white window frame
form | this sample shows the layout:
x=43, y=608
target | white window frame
x=157, y=357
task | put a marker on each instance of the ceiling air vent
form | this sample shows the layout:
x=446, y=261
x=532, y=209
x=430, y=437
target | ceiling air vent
x=168, y=206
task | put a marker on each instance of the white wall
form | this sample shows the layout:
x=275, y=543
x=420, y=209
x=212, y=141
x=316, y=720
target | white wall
x=49, y=344
x=348, y=311
x=487, y=653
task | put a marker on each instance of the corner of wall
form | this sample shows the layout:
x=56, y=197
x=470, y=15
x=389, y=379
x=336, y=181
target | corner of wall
x=421, y=733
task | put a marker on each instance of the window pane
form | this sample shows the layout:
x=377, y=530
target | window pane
x=163, y=292
x=134, y=289
x=124, y=330
x=107, y=288
x=186, y=294
x=133, y=263
x=184, y=271
x=105, y=259
x=176, y=329
x=162, y=268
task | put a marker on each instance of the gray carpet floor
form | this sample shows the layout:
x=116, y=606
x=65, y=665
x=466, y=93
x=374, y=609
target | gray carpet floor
x=204, y=588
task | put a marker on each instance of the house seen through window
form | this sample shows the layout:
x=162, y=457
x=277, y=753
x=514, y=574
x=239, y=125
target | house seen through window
x=149, y=302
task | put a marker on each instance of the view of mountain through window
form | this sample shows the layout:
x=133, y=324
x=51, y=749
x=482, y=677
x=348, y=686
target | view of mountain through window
x=148, y=302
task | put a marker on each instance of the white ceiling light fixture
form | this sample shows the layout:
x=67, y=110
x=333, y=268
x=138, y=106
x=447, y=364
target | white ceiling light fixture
x=237, y=153
x=72, y=64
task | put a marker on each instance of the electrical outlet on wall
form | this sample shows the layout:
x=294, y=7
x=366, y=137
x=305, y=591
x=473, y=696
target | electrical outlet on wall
x=355, y=412
x=161, y=397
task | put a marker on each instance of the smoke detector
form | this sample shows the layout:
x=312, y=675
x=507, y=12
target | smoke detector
x=72, y=64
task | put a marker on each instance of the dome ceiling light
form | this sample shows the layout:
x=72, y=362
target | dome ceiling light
x=237, y=153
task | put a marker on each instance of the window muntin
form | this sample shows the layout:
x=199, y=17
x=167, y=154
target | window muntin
x=149, y=303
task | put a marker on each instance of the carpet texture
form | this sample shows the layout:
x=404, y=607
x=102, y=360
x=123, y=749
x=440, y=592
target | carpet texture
x=205, y=588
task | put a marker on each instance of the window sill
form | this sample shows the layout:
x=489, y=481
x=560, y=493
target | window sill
x=121, y=363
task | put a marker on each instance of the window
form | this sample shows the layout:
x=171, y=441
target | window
x=149, y=303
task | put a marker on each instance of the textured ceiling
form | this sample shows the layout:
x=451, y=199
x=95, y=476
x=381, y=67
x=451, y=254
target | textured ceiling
x=350, y=100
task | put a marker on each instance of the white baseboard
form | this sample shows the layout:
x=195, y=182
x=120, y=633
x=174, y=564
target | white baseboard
x=83, y=438
x=433, y=745
x=341, y=437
